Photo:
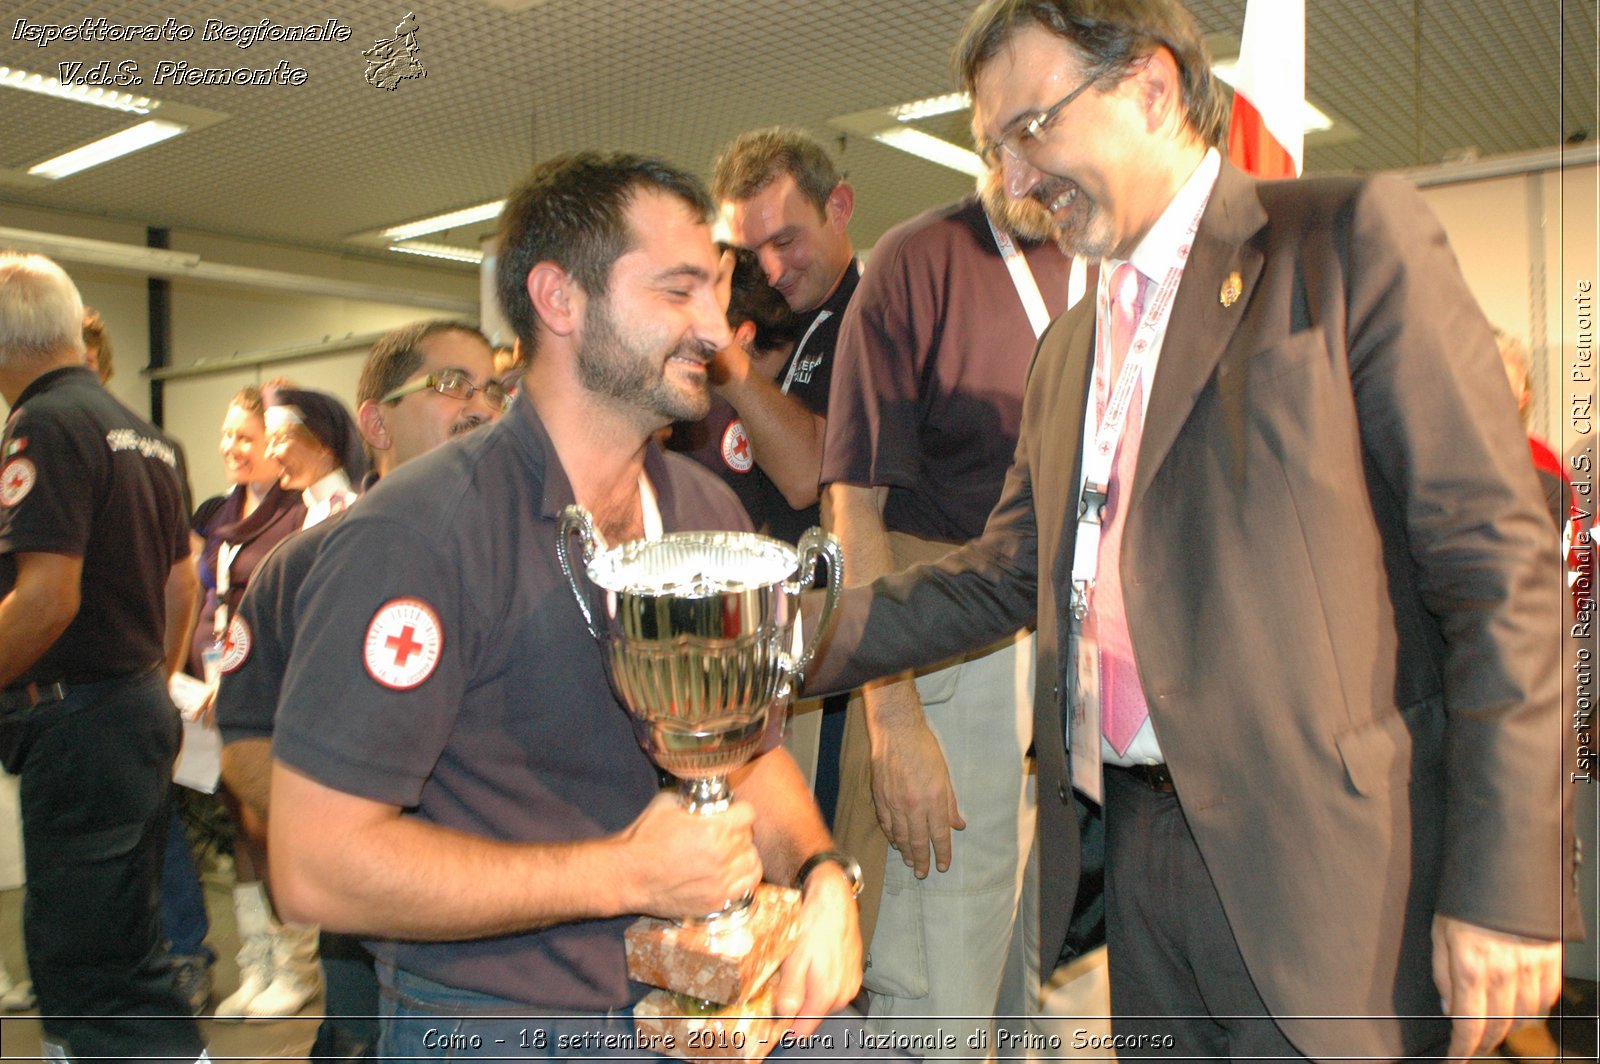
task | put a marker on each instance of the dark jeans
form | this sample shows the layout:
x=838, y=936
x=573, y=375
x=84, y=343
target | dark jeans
x=349, y=1029
x=183, y=902
x=96, y=770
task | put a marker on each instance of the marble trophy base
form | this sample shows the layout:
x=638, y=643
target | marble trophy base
x=712, y=961
x=746, y=1031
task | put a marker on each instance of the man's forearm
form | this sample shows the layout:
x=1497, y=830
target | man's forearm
x=855, y=515
x=182, y=601
x=785, y=436
x=39, y=607
x=247, y=770
x=789, y=826
x=365, y=867
x=402, y=877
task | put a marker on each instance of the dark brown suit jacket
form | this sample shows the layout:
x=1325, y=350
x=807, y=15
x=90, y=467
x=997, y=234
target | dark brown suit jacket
x=1343, y=596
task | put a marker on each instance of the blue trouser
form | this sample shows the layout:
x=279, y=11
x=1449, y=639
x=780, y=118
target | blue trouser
x=96, y=771
x=183, y=902
x=424, y=1020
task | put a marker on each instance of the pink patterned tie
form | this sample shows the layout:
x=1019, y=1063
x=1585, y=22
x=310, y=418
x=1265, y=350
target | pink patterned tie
x=1122, y=704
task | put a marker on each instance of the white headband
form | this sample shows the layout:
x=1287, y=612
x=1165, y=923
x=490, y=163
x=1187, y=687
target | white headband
x=278, y=418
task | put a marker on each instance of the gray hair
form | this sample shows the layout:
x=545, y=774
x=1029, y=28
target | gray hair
x=41, y=313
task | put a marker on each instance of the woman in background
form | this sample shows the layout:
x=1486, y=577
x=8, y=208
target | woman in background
x=312, y=445
x=315, y=443
x=234, y=532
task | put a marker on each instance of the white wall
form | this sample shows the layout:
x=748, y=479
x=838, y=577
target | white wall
x=1523, y=242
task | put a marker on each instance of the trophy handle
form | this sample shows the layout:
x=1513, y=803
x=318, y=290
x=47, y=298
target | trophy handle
x=817, y=546
x=575, y=519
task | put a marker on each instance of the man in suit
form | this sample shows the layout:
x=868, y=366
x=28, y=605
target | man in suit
x=1317, y=618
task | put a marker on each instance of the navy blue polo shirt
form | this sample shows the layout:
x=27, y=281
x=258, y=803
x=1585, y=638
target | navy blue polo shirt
x=83, y=476
x=441, y=664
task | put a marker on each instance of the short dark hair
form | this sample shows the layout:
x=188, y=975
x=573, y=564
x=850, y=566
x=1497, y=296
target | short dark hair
x=572, y=211
x=752, y=299
x=397, y=355
x=755, y=159
x=1113, y=35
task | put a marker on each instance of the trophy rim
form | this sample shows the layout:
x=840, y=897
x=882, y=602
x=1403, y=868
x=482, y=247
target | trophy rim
x=603, y=568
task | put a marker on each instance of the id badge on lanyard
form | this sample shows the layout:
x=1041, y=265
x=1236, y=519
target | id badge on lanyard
x=1083, y=725
x=1099, y=453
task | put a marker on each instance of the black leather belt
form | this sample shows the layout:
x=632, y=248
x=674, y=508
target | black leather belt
x=27, y=696
x=1155, y=777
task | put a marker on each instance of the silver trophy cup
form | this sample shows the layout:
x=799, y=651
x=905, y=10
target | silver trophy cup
x=697, y=630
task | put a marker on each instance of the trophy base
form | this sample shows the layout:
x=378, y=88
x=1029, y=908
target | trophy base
x=748, y=1031
x=718, y=961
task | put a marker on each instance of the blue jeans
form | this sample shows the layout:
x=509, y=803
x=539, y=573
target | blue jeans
x=424, y=1020
x=183, y=902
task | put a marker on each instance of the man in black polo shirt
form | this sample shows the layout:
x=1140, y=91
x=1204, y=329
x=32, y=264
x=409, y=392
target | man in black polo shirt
x=478, y=806
x=782, y=198
x=94, y=546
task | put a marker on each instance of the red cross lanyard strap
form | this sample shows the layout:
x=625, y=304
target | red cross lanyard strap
x=1100, y=441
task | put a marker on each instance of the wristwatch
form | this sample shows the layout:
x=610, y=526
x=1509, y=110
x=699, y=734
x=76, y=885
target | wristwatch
x=847, y=864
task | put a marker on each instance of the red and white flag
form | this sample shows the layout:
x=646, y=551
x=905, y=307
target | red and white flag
x=1266, y=135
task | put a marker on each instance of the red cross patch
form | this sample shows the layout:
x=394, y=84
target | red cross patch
x=403, y=643
x=736, y=447
x=235, y=644
x=17, y=478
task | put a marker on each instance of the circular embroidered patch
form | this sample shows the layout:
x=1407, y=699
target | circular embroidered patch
x=236, y=644
x=16, y=480
x=403, y=643
x=736, y=447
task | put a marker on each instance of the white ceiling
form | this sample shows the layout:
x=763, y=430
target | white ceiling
x=510, y=82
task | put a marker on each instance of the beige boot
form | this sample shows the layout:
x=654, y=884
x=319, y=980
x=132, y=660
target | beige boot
x=15, y=997
x=254, y=918
x=296, y=973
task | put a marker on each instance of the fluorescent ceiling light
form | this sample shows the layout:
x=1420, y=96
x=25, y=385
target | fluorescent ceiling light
x=105, y=149
x=439, y=251
x=930, y=106
x=440, y=222
x=1312, y=120
x=932, y=148
x=12, y=78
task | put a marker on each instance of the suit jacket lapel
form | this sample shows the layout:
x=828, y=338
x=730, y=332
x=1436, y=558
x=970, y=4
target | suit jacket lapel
x=1201, y=326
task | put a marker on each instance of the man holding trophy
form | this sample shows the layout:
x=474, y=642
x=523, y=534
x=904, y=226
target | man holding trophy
x=454, y=777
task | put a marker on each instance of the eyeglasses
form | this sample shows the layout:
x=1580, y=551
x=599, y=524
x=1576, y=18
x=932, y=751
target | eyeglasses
x=1021, y=137
x=456, y=385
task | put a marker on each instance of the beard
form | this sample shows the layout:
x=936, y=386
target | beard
x=1081, y=232
x=1025, y=219
x=619, y=369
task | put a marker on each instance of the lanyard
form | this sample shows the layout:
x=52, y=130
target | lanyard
x=1100, y=442
x=650, y=512
x=226, y=553
x=799, y=349
x=1022, y=277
